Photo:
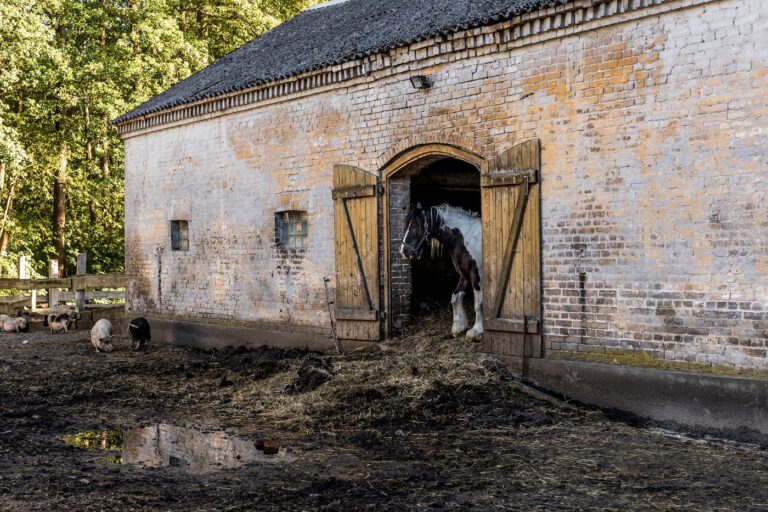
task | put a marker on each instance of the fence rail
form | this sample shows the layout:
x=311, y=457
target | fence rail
x=81, y=286
x=85, y=282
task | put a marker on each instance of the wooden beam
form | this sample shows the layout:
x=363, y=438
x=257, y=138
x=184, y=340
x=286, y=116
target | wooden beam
x=22, y=267
x=91, y=295
x=356, y=314
x=86, y=282
x=34, y=284
x=12, y=305
x=13, y=299
x=82, y=259
x=354, y=191
x=53, y=273
x=514, y=324
x=90, y=282
x=507, y=179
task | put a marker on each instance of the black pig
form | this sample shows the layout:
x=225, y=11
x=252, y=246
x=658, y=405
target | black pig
x=139, y=328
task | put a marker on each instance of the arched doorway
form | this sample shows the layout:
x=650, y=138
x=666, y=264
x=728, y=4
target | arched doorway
x=375, y=289
x=432, y=174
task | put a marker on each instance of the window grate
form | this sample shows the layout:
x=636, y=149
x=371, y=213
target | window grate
x=291, y=230
x=179, y=235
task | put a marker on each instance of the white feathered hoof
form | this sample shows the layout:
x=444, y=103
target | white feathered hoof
x=474, y=334
x=457, y=330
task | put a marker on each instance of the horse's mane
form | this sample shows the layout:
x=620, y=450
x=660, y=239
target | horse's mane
x=436, y=247
x=445, y=207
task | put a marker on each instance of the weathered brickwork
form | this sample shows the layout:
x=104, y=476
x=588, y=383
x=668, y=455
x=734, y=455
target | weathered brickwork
x=654, y=149
x=400, y=269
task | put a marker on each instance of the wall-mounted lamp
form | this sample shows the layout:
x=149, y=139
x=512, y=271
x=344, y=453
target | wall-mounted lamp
x=420, y=82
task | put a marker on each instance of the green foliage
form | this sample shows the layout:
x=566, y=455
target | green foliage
x=67, y=67
x=107, y=440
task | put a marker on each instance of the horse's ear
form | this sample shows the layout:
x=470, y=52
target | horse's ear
x=418, y=206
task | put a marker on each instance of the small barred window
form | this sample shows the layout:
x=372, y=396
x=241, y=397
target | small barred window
x=291, y=230
x=179, y=235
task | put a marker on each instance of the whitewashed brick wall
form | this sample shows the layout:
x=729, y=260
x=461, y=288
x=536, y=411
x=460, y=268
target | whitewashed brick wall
x=655, y=144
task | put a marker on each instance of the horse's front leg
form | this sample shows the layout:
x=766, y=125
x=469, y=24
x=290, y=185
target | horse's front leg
x=457, y=302
x=477, y=330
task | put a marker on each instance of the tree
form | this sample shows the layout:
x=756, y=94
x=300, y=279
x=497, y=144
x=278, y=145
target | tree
x=67, y=67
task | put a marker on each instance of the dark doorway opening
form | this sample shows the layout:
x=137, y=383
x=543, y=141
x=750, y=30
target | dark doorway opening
x=420, y=288
x=457, y=183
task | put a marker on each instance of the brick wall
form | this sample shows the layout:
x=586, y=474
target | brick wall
x=653, y=181
x=400, y=269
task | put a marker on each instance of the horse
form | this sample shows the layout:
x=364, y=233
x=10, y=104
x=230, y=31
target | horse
x=460, y=232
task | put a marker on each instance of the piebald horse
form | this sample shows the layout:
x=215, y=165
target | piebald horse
x=460, y=232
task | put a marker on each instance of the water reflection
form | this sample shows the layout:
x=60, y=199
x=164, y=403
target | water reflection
x=194, y=450
x=103, y=440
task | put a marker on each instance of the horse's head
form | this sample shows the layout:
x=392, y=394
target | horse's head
x=416, y=233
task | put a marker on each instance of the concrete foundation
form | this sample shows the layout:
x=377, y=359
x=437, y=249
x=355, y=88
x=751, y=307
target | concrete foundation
x=711, y=402
x=201, y=335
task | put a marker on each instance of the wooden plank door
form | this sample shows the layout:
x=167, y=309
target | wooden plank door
x=512, y=254
x=357, y=254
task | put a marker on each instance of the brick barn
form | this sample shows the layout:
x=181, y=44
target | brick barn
x=616, y=151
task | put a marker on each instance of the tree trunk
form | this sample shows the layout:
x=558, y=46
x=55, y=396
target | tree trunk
x=88, y=143
x=60, y=208
x=133, y=9
x=91, y=174
x=6, y=217
x=2, y=176
x=103, y=34
x=104, y=163
x=60, y=182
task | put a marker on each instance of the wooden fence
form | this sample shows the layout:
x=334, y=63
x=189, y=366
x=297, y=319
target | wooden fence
x=82, y=287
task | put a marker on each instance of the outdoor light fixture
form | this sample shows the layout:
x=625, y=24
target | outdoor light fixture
x=420, y=82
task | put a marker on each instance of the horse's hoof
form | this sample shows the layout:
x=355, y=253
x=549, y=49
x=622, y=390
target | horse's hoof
x=457, y=331
x=474, y=335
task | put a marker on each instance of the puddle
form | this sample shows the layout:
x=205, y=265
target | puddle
x=704, y=439
x=110, y=441
x=165, y=445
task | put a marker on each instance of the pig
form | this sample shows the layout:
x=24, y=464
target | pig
x=11, y=324
x=139, y=328
x=59, y=323
x=101, y=335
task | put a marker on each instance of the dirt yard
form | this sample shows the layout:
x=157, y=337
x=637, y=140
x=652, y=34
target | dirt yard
x=425, y=424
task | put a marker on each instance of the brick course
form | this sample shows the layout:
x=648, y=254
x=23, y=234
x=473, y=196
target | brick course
x=654, y=153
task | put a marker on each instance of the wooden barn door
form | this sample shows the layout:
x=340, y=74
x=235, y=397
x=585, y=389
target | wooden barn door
x=357, y=254
x=512, y=254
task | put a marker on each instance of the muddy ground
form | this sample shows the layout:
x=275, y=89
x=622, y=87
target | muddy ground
x=426, y=424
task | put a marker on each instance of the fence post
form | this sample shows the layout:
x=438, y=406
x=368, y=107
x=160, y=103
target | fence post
x=24, y=274
x=82, y=259
x=22, y=267
x=53, y=293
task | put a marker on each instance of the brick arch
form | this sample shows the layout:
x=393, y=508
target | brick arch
x=465, y=147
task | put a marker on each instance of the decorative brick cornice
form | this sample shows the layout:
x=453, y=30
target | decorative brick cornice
x=239, y=99
x=560, y=21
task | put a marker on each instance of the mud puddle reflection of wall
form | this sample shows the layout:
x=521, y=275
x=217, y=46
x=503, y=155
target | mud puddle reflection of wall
x=194, y=450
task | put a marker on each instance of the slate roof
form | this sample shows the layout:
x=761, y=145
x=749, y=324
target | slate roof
x=333, y=34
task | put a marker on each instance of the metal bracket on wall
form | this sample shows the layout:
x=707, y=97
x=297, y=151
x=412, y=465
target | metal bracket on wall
x=501, y=179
